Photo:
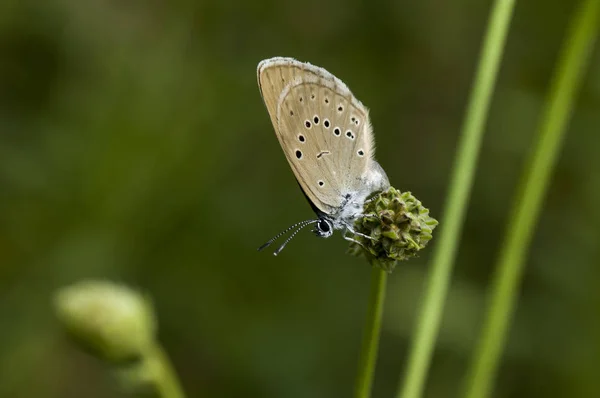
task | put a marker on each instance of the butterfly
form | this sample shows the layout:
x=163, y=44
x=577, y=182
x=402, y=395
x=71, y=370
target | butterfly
x=327, y=138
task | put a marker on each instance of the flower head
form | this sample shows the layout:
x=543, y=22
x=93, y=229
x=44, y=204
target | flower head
x=398, y=226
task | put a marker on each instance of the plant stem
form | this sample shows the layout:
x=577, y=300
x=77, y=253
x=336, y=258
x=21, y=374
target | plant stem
x=166, y=381
x=458, y=197
x=370, y=344
x=528, y=201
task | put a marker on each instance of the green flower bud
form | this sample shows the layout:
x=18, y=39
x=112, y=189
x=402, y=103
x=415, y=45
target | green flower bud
x=111, y=321
x=399, y=227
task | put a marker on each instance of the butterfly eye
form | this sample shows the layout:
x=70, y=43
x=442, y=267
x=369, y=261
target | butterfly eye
x=324, y=226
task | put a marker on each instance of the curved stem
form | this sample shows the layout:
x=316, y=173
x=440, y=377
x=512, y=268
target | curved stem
x=527, y=205
x=370, y=344
x=166, y=381
x=458, y=197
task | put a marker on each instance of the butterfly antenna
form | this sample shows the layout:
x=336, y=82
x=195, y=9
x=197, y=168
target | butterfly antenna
x=273, y=239
x=276, y=252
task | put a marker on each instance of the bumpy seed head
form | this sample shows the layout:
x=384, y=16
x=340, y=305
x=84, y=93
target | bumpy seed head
x=399, y=227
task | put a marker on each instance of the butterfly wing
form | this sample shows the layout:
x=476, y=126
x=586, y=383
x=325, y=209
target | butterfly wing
x=322, y=128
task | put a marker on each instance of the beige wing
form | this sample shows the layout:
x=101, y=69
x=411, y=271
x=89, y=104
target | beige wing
x=323, y=130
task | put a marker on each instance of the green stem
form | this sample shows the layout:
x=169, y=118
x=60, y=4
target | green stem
x=370, y=343
x=165, y=378
x=458, y=197
x=527, y=205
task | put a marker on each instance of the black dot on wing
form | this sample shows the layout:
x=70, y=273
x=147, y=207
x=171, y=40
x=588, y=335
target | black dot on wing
x=326, y=100
x=307, y=124
x=336, y=131
x=349, y=134
x=361, y=152
x=298, y=154
x=312, y=96
x=316, y=120
x=291, y=113
x=326, y=123
x=340, y=108
x=321, y=183
x=300, y=99
x=301, y=138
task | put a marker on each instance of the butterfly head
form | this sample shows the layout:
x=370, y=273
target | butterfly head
x=323, y=228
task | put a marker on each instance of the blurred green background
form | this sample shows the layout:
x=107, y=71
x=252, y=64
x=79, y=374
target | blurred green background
x=134, y=146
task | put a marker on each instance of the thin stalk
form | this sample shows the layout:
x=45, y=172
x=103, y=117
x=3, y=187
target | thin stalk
x=164, y=377
x=370, y=344
x=528, y=202
x=458, y=197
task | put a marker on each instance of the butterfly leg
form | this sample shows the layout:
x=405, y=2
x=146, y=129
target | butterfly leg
x=352, y=231
x=349, y=239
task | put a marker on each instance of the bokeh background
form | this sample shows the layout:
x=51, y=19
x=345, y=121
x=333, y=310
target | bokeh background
x=134, y=146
